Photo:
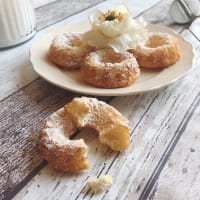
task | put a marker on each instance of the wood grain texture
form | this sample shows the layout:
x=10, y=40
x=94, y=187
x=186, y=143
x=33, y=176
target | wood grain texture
x=60, y=9
x=39, y=3
x=155, y=119
x=21, y=116
x=156, y=16
x=180, y=178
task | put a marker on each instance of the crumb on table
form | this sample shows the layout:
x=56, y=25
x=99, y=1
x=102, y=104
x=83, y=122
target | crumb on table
x=31, y=137
x=24, y=152
x=100, y=184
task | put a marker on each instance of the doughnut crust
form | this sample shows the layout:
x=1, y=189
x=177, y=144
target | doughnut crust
x=107, y=69
x=161, y=50
x=68, y=50
x=71, y=155
x=56, y=147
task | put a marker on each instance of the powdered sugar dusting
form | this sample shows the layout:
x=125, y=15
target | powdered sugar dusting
x=68, y=50
x=97, y=110
x=67, y=40
x=58, y=129
x=80, y=113
x=110, y=58
x=165, y=37
x=72, y=43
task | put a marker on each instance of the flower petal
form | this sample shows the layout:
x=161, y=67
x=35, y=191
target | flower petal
x=121, y=33
x=121, y=43
x=96, y=39
x=94, y=18
x=110, y=28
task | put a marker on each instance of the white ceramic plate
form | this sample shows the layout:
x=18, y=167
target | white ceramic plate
x=70, y=80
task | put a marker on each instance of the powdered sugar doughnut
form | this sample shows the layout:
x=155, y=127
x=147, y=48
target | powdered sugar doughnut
x=160, y=51
x=107, y=69
x=68, y=50
x=71, y=155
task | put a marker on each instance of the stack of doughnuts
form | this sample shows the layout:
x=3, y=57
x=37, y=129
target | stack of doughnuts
x=106, y=68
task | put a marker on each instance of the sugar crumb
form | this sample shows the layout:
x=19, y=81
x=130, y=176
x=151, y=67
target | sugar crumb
x=32, y=137
x=100, y=184
x=24, y=152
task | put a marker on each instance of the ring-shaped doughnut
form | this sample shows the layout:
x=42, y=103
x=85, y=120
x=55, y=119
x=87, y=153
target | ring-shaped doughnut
x=161, y=50
x=107, y=69
x=68, y=50
x=71, y=155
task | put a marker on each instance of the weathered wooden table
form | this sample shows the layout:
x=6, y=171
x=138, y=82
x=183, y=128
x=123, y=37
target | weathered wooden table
x=162, y=161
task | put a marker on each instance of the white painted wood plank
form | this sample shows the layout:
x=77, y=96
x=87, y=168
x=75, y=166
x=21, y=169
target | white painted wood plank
x=60, y=10
x=180, y=179
x=39, y=3
x=195, y=27
x=15, y=67
x=160, y=14
x=155, y=118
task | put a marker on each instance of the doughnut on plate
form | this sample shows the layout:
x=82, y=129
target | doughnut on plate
x=70, y=80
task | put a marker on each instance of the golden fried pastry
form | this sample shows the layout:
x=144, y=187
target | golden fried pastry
x=111, y=126
x=107, y=69
x=57, y=148
x=68, y=50
x=160, y=51
x=71, y=155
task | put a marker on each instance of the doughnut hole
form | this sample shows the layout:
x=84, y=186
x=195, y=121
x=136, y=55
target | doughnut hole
x=155, y=41
x=161, y=50
x=75, y=42
x=106, y=68
x=111, y=57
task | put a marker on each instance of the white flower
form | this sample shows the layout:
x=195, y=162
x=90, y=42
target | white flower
x=116, y=29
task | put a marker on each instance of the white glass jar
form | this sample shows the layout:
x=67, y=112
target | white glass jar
x=17, y=22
